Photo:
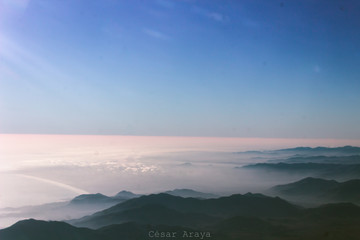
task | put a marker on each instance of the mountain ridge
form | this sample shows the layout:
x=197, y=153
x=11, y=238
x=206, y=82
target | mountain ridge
x=237, y=204
x=321, y=190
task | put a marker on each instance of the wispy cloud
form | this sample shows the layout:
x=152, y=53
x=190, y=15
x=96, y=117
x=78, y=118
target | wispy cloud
x=17, y=60
x=56, y=183
x=166, y=4
x=216, y=16
x=156, y=34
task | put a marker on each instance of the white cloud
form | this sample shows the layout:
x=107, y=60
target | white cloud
x=216, y=16
x=155, y=34
x=56, y=183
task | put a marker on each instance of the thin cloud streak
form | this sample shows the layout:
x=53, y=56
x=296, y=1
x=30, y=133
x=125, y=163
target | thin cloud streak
x=58, y=184
x=12, y=54
x=156, y=34
x=216, y=16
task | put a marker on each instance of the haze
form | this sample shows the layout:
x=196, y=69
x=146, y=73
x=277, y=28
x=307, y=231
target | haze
x=48, y=168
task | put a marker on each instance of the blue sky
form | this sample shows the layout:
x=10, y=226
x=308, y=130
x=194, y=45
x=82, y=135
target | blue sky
x=283, y=69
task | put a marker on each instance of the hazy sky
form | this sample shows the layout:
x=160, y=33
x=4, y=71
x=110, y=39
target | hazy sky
x=193, y=68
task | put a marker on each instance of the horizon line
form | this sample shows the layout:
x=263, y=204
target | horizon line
x=177, y=136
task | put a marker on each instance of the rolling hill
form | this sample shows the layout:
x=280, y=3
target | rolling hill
x=320, y=190
x=256, y=205
x=332, y=221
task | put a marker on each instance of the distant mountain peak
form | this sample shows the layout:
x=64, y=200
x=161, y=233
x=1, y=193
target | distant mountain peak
x=184, y=192
x=84, y=197
x=96, y=198
x=250, y=194
x=125, y=192
x=315, y=180
x=321, y=190
x=142, y=209
x=311, y=150
x=126, y=195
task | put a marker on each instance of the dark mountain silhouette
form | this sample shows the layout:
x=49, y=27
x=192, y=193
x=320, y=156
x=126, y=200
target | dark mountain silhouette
x=150, y=214
x=339, y=171
x=330, y=211
x=353, y=159
x=321, y=190
x=340, y=163
x=97, y=198
x=135, y=231
x=345, y=191
x=249, y=228
x=332, y=221
x=79, y=206
x=308, y=186
x=190, y=193
x=126, y=195
x=309, y=151
x=40, y=230
x=243, y=205
x=342, y=150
